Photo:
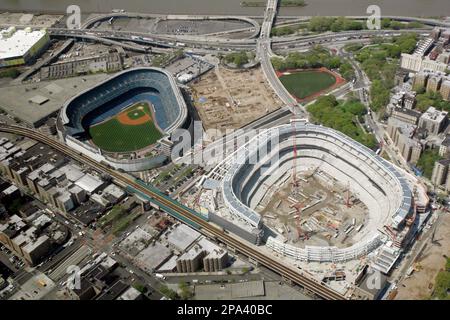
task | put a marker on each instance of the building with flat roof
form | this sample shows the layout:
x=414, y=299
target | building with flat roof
x=90, y=183
x=409, y=100
x=444, y=148
x=445, y=90
x=434, y=83
x=416, y=63
x=406, y=115
x=27, y=242
x=203, y=253
x=440, y=170
x=153, y=256
x=130, y=294
x=433, y=121
x=181, y=237
x=17, y=47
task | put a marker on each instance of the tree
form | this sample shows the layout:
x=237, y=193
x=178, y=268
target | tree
x=140, y=287
x=169, y=293
x=238, y=58
x=186, y=292
x=427, y=160
x=341, y=116
x=320, y=24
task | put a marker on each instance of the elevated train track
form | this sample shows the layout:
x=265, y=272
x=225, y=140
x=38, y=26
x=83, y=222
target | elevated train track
x=287, y=272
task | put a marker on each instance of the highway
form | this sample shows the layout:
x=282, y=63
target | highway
x=264, y=53
x=249, y=250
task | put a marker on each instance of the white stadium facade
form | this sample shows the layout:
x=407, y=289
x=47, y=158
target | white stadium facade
x=378, y=184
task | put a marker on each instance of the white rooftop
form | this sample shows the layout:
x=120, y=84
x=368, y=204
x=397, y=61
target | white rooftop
x=16, y=43
x=182, y=236
x=89, y=183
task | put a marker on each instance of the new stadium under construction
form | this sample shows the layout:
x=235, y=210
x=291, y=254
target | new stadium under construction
x=127, y=113
x=390, y=199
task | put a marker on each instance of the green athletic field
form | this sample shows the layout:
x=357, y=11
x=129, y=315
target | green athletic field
x=114, y=136
x=306, y=83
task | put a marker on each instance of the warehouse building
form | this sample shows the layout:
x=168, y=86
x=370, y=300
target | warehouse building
x=18, y=47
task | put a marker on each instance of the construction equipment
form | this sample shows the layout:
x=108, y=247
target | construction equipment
x=294, y=161
x=302, y=235
x=410, y=221
x=347, y=197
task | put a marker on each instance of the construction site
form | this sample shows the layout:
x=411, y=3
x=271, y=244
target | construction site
x=313, y=210
x=230, y=99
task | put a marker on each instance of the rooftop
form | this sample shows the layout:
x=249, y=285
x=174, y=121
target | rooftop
x=153, y=256
x=182, y=236
x=89, y=183
x=435, y=115
x=16, y=43
x=17, y=99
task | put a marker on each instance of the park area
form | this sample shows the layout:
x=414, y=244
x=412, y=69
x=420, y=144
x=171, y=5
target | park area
x=130, y=130
x=305, y=85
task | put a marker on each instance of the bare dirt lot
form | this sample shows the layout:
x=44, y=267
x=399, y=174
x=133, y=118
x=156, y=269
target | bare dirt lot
x=420, y=284
x=230, y=99
x=313, y=214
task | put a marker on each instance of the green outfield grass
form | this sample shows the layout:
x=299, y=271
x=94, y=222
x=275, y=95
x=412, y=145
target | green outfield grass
x=306, y=83
x=113, y=136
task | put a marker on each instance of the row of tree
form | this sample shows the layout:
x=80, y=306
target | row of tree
x=322, y=24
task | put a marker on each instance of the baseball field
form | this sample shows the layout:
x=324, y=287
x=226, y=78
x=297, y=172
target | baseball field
x=130, y=130
x=304, y=84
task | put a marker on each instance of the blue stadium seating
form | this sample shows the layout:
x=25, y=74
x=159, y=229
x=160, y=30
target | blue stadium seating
x=112, y=96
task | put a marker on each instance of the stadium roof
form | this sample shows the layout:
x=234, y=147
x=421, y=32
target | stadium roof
x=16, y=43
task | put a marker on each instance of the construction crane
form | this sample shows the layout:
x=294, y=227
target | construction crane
x=294, y=162
x=301, y=234
x=347, y=196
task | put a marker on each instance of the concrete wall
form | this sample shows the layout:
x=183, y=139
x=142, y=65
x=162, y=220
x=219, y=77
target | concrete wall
x=231, y=227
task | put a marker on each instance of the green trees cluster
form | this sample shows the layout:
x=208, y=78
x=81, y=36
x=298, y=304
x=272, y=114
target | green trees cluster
x=322, y=24
x=237, y=58
x=186, y=292
x=315, y=58
x=397, y=25
x=442, y=283
x=346, y=71
x=9, y=73
x=427, y=160
x=283, y=31
x=342, y=117
x=380, y=62
x=169, y=293
x=427, y=99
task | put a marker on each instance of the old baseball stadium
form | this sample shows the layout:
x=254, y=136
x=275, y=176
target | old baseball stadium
x=120, y=120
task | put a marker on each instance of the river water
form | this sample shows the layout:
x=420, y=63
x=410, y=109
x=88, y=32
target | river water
x=227, y=7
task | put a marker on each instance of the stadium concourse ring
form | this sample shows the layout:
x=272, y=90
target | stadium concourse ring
x=141, y=103
x=379, y=185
